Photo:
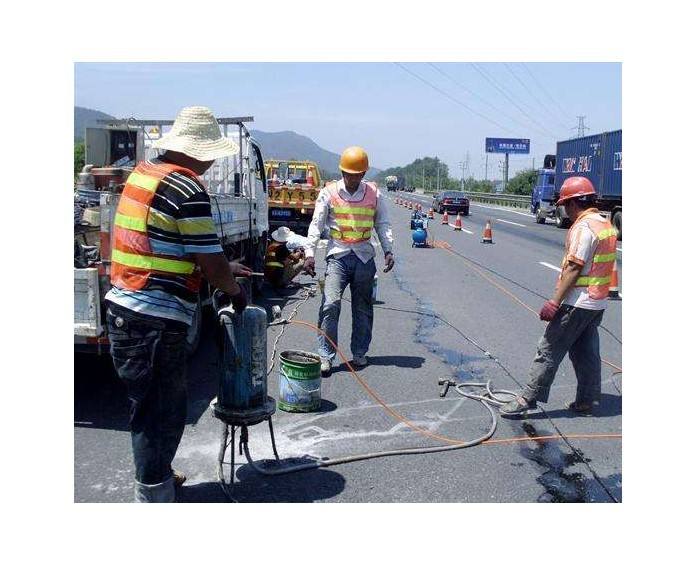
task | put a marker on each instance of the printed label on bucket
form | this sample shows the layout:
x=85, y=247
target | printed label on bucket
x=298, y=394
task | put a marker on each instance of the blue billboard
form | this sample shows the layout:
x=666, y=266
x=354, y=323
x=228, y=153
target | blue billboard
x=498, y=145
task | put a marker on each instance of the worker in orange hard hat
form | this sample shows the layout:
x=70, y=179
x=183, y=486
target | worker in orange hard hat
x=575, y=311
x=350, y=208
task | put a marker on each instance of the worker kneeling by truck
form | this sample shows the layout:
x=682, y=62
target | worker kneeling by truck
x=285, y=257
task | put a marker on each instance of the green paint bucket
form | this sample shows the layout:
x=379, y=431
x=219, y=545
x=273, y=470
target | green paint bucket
x=299, y=381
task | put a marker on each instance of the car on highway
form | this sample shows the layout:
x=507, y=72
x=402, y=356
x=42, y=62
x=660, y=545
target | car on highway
x=452, y=202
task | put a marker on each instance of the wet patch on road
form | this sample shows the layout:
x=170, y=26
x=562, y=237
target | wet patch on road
x=426, y=324
x=560, y=485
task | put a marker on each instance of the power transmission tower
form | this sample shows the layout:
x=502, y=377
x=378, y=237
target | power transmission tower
x=581, y=127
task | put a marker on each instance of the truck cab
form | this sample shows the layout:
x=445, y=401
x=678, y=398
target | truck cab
x=293, y=189
x=543, y=195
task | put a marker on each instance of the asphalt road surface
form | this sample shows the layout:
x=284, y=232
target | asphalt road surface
x=475, y=287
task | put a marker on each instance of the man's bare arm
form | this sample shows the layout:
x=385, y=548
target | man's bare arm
x=220, y=272
x=569, y=277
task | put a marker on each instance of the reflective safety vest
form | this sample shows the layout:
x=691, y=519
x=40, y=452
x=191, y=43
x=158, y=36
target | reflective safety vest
x=272, y=255
x=132, y=259
x=598, y=279
x=355, y=220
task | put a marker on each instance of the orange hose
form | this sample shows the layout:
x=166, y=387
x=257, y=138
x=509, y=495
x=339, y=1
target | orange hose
x=396, y=415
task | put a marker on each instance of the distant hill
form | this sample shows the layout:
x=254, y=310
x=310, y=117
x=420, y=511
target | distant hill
x=84, y=117
x=275, y=145
x=290, y=145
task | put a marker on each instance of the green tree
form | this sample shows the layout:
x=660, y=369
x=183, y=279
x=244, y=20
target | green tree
x=522, y=183
x=79, y=157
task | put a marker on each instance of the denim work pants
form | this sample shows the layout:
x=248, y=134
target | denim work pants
x=149, y=355
x=575, y=331
x=341, y=272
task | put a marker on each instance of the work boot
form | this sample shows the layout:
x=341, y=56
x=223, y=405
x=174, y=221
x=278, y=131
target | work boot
x=325, y=366
x=179, y=478
x=359, y=361
x=518, y=406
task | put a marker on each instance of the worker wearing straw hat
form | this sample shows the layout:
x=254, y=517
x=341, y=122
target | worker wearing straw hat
x=164, y=239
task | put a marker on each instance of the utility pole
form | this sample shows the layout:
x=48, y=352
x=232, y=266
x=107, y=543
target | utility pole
x=581, y=127
x=423, y=181
x=486, y=176
x=438, y=174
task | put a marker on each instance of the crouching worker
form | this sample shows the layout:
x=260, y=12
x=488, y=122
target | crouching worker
x=576, y=310
x=284, y=257
x=164, y=238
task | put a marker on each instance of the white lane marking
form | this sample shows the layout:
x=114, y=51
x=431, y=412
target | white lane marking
x=502, y=209
x=551, y=266
x=465, y=230
x=619, y=249
x=510, y=222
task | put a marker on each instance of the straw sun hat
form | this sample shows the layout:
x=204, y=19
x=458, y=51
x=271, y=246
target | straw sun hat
x=196, y=133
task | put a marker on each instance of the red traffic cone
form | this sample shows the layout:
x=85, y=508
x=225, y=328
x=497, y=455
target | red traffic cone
x=431, y=214
x=487, y=233
x=614, y=284
x=458, y=223
x=310, y=177
x=445, y=219
x=410, y=205
x=398, y=201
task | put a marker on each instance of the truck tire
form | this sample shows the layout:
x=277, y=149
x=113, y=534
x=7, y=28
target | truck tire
x=561, y=222
x=193, y=336
x=259, y=263
x=616, y=222
x=540, y=215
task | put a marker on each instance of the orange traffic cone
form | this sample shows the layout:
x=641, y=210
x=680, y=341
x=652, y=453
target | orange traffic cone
x=431, y=214
x=458, y=223
x=614, y=284
x=445, y=219
x=310, y=177
x=410, y=205
x=487, y=233
x=398, y=201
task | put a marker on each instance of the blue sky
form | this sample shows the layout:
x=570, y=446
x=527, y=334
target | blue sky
x=396, y=116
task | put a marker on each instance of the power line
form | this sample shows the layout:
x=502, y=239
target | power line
x=453, y=99
x=481, y=98
x=562, y=113
x=510, y=99
x=543, y=106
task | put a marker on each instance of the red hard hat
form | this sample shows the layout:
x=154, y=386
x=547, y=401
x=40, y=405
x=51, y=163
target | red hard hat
x=575, y=187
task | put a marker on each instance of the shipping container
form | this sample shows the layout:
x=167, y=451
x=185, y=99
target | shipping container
x=598, y=158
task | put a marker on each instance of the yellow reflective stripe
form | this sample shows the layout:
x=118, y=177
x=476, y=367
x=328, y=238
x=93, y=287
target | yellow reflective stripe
x=196, y=226
x=609, y=257
x=134, y=223
x=593, y=280
x=152, y=263
x=143, y=181
x=606, y=233
x=351, y=234
x=162, y=221
x=354, y=210
x=355, y=222
x=275, y=264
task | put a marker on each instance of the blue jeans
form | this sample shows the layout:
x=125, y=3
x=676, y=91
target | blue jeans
x=574, y=331
x=341, y=272
x=149, y=355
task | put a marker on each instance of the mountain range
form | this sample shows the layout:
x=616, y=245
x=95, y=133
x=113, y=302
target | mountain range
x=274, y=145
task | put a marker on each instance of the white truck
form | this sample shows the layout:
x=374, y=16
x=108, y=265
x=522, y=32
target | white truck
x=239, y=203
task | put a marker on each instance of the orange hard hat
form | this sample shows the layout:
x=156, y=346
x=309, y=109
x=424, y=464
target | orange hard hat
x=354, y=160
x=576, y=187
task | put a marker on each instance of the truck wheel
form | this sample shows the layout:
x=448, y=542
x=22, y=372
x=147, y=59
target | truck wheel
x=193, y=335
x=616, y=222
x=540, y=215
x=259, y=263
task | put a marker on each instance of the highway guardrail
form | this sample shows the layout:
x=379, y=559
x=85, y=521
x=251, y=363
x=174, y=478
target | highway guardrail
x=510, y=200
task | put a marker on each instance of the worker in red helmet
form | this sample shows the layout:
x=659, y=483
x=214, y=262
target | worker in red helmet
x=575, y=311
